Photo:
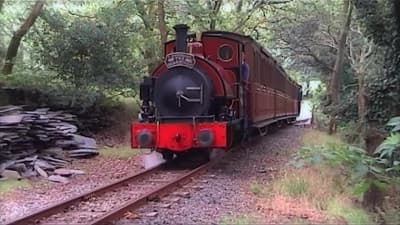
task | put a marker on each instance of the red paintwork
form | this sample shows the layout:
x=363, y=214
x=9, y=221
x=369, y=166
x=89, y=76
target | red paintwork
x=178, y=137
x=206, y=52
x=211, y=51
x=196, y=49
x=271, y=92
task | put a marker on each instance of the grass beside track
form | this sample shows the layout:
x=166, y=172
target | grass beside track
x=7, y=186
x=320, y=189
x=119, y=152
x=238, y=220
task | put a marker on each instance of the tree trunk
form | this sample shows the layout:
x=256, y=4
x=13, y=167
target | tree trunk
x=239, y=6
x=374, y=196
x=1, y=4
x=214, y=12
x=338, y=68
x=362, y=107
x=148, y=13
x=161, y=24
x=151, y=60
x=19, y=34
x=396, y=6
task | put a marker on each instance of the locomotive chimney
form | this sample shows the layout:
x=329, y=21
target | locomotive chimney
x=181, y=35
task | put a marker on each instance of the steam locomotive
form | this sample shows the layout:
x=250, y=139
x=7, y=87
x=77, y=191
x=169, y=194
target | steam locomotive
x=198, y=97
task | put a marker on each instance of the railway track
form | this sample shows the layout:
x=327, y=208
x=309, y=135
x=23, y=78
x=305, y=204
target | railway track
x=110, y=202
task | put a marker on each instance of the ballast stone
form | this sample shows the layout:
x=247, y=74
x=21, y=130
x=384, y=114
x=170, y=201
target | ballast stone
x=11, y=174
x=152, y=214
x=40, y=171
x=68, y=172
x=58, y=179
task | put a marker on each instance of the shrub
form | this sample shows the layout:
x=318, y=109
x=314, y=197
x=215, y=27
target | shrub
x=316, y=185
x=88, y=52
x=295, y=187
x=359, y=168
x=349, y=132
x=79, y=64
x=237, y=220
x=94, y=108
x=351, y=214
x=388, y=153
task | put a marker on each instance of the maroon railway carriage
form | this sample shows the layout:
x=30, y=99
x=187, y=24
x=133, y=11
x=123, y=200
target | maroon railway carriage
x=197, y=98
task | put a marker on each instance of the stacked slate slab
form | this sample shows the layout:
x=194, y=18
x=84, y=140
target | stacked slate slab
x=33, y=141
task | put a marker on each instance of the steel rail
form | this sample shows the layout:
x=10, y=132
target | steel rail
x=159, y=192
x=59, y=206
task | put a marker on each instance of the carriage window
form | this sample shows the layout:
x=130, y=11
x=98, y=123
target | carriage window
x=225, y=52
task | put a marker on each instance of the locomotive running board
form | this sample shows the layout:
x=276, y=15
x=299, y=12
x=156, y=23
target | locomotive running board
x=271, y=121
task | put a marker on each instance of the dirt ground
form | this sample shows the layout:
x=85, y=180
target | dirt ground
x=225, y=195
x=40, y=192
x=228, y=195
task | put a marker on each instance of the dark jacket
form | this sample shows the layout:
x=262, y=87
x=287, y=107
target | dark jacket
x=245, y=72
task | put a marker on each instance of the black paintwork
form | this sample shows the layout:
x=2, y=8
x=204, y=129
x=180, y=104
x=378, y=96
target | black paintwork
x=178, y=80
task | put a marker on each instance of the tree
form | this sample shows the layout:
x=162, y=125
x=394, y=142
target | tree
x=1, y=45
x=19, y=34
x=162, y=26
x=148, y=14
x=87, y=57
x=381, y=20
x=334, y=84
x=1, y=4
x=214, y=7
x=361, y=56
x=306, y=36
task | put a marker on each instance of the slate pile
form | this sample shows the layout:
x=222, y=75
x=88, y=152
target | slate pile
x=35, y=141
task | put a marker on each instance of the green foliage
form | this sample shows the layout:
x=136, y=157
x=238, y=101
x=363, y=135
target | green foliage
x=395, y=123
x=298, y=221
x=86, y=53
x=341, y=155
x=349, y=131
x=10, y=185
x=351, y=214
x=295, y=187
x=301, y=34
x=80, y=62
x=256, y=188
x=52, y=90
x=360, y=169
x=354, y=162
x=392, y=216
x=28, y=78
x=383, y=95
x=119, y=152
x=305, y=36
x=96, y=110
x=388, y=153
x=237, y=220
x=380, y=19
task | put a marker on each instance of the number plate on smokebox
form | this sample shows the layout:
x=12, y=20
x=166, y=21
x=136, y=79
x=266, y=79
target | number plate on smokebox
x=180, y=59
